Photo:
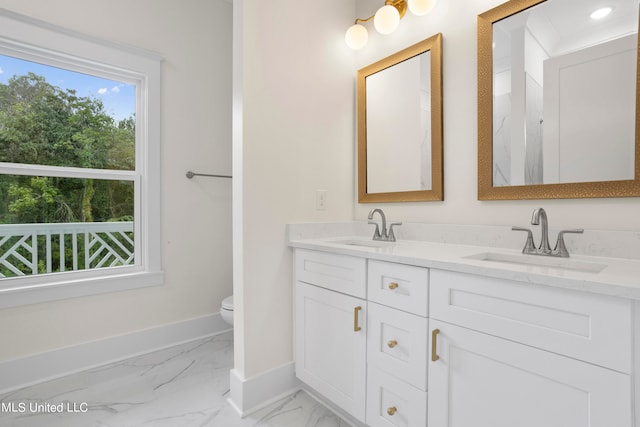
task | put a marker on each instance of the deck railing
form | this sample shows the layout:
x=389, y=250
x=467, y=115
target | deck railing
x=27, y=249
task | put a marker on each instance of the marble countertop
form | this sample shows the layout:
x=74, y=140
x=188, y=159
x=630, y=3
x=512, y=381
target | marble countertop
x=611, y=276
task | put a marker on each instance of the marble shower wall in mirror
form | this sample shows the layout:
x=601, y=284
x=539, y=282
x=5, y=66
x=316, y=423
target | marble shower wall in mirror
x=557, y=100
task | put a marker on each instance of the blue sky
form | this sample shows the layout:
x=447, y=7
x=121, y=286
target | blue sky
x=119, y=98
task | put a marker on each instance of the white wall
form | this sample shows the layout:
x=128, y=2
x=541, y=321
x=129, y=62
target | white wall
x=456, y=20
x=296, y=102
x=194, y=37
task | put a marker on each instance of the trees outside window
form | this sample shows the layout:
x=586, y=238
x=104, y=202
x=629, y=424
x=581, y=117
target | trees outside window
x=42, y=124
x=79, y=164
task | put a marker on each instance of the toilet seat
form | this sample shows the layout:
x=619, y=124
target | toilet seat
x=226, y=310
x=227, y=303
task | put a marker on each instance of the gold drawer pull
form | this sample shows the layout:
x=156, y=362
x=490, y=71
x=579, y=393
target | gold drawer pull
x=393, y=285
x=391, y=411
x=356, y=327
x=434, y=340
x=392, y=343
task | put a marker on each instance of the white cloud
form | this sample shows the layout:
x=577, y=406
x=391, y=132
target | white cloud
x=115, y=89
x=1, y=70
x=102, y=90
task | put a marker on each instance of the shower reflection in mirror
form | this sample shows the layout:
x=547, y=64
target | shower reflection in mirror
x=564, y=95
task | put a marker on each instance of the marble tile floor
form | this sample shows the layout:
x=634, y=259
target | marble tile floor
x=182, y=386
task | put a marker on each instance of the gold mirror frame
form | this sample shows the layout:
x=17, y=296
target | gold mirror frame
x=433, y=44
x=486, y=190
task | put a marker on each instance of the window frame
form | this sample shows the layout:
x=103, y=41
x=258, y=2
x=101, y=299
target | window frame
x=37, y=41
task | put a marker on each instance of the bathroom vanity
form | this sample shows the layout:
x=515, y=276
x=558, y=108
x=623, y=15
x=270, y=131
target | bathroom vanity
x=417, y=333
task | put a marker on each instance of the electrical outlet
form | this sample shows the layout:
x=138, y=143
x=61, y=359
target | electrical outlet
x=321, y=200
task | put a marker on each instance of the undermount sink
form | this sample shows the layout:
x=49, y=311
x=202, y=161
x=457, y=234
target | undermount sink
x=364, y=243
x=539, y=261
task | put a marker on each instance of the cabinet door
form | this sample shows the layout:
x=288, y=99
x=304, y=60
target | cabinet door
x=483, y=381
x=330, y=330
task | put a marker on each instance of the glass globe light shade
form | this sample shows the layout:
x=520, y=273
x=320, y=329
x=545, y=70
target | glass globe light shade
x=421, y=7
x=356, y=36
x=386, y=19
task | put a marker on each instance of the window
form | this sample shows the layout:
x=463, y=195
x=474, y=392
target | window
x=79, y=164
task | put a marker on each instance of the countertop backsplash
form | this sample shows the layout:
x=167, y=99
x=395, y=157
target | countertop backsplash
x=602, y=243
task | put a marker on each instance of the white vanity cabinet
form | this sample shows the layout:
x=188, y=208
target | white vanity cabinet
x=330, y=327
x=368, y=357
x=512, y=354
x=394, y=344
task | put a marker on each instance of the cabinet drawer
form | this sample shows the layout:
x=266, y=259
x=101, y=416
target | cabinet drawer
x=397, y=344
x=405, y=287
x=340, y=273
x=588, y=327
x=391, y=402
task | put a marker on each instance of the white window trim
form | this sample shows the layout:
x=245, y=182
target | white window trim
x=38, y=41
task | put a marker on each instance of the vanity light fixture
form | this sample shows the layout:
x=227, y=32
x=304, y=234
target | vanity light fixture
x=600, y=13
x=385, y=20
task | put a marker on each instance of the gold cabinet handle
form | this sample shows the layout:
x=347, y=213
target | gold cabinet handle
x=356, y=326
x=391, y=411
x=434, y=340
x=392, y=343
x=393, y=285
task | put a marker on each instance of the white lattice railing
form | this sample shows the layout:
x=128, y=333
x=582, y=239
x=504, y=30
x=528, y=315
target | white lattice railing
x=27, y=249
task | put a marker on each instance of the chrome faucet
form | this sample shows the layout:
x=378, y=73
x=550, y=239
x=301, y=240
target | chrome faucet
x=539, y=217
x=382, y=235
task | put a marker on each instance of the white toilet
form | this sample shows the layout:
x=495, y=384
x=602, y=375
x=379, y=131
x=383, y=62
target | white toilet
x=226, y=310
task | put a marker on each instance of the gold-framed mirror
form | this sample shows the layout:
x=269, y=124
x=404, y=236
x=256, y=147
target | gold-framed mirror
x=400, y=126
x=540, y=61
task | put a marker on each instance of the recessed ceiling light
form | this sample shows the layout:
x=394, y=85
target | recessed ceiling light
x=601, y=13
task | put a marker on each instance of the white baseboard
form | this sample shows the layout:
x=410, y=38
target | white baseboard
x=248, y=395
x=52, y=364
